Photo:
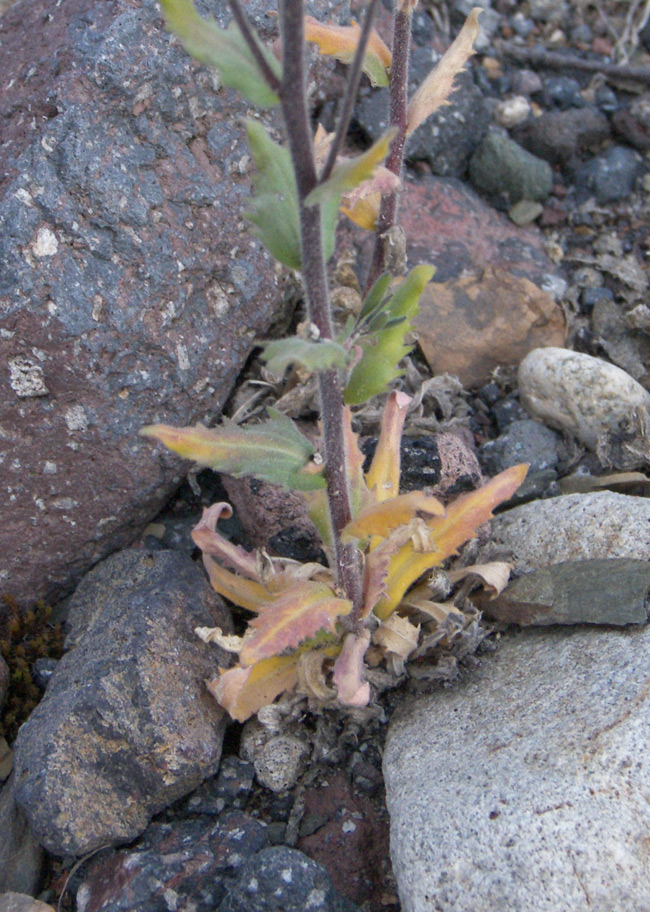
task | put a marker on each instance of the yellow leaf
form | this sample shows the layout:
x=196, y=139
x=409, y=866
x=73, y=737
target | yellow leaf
x=382, y=518
x=341, y=41
x=384, y=471
x=462, y=518
x=439, y=84
x=364, y=212
x=296, y=615
x=243, y=691
x=243, y=592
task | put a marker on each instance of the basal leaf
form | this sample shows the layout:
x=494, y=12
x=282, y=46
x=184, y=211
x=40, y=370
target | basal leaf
x=313, y=356
x=341, y=41
x=274, y=451
x=383, y=349
x=243, y=691
x=296, y=615
x=349, y=173
x=224, y=49
x=243, y=592
x=349, y=669
x=382, y=518
x=274, y=208
x=439, y=84
x=460, y=522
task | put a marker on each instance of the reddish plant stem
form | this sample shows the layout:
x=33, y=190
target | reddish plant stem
x=293, y=98
x=397, y=114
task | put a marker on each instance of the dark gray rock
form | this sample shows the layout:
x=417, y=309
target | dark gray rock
x=523, y=441
x=4, y=681
x=501, y=167
x=562, y=137
x=183, y=866
x=613, y=592
x=131, y=290
x=279, y=879
x=21, y=857
x=563, y=92
x=126, y=726
x=610, y=176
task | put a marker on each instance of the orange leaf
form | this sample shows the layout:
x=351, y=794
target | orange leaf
x=439, y=84
x=463, y=517
x=243, y=592
x=206, y=537
x=382, y=518
x=297, y=614
x=341, y=41
x=243, y=691
x=384, y=471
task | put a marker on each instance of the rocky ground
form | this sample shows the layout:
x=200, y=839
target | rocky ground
x=531, y=196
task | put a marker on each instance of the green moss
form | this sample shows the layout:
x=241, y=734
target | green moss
x=24, y=637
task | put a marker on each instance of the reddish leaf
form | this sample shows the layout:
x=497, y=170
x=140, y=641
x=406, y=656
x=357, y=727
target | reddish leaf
x=349, y=670
x=243, y=691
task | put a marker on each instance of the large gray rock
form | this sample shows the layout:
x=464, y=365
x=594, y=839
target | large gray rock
x=21, y=857
x=131, y=290
x=526, y=785
x=127, y=725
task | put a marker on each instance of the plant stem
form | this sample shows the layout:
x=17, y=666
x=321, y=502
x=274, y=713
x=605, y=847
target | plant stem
x=293, y=98
x=397, y=115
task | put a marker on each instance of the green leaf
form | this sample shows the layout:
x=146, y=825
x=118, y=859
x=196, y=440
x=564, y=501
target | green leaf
x=313, y=356
x=376, y=297
x=385, y=347
x=275, y=205
x=274, y=451
x=351, y=172
x=224, y=49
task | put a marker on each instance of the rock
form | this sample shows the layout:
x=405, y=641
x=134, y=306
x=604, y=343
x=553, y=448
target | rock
x=131, y=289
x=522, y=441
x=525, y=212
x=501, y=167
x=573, y=527
x=613, y=592
x=349, y=838
x=501, y=788
x=561, y=137
x=183, y=865
x=230, y=788
x=563, y=92
x=447, y=139
x=548, y=10
x=610, y=176
x=512, y=111
x=472, y=325
x=590, y=398
x=21, y=857
x=633, y=123
x=612, y=333
x=21, y=902
x=127, y=725
x=276, y=757
x=279, y=879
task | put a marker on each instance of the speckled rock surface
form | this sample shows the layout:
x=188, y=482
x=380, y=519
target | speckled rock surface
x=525, y=785
x=578, y=393
x=127, y=725
x=21, y=902
x=574, y=527
x=131, y=289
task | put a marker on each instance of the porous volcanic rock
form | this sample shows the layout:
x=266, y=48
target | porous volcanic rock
x=131, y=290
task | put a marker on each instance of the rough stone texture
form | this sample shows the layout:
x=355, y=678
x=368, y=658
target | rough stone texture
x=522, y=441
x=126, y=725
x=21, y=902
x=578, y=393
x=628, y=350
x=562, y=137
x=183, y=865
x=525, y=786
x=613, y=591
x=610, y=176
x=575, y=527
x=279, y=879
x=471, y=325
x=21, y=857
x=131, y=289
x=277, y=758
x=502, y=168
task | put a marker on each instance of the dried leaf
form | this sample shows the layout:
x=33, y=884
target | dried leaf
x=228, y=641
x=364, y=212
x=243, y=592
x=350, y=173
x=384, y=473
x=340, y=41
x=243, y=691
x=224, y=49
x=206, y=537
x=397, y=635
x=311, y=677
x=383, y=518
x=274, y=451
x=299, y=613
x=462, y=519
x=439, y=84
x=494, y=576
x=349, y=670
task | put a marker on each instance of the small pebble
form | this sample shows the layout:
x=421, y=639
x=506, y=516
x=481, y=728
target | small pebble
x=512, y=111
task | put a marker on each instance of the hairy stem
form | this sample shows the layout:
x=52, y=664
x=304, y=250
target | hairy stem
x=293, y=97
x=397, y=116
